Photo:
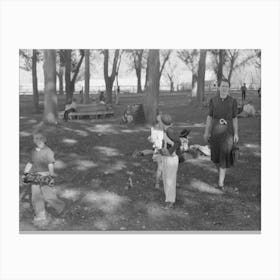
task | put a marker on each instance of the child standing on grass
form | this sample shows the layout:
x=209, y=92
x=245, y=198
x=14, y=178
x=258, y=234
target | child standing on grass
x=156, y=151
x=42, y=163
x=170, y=161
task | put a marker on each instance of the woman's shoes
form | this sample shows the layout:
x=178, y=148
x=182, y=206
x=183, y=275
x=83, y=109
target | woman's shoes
x=220, y=188
x=169, y=205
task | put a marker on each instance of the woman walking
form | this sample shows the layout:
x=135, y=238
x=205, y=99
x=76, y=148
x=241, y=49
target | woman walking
x=222, y=130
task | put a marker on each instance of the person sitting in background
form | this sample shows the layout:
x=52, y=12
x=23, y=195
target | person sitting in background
x=70, y=107
x=102, y=97
x=248, y=110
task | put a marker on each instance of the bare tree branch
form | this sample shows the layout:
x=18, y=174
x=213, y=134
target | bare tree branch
x=166, y=57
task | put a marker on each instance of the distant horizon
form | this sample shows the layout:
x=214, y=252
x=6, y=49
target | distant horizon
x=99, y=84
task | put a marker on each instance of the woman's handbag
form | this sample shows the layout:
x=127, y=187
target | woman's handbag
x=235, y=152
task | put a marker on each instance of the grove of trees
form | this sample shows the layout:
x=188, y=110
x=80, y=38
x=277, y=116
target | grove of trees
x=67, y=66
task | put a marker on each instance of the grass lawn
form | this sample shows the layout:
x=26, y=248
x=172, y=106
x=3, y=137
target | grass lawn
x=94, y=162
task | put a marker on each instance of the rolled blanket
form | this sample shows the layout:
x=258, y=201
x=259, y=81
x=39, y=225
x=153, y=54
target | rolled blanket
x=35, y=178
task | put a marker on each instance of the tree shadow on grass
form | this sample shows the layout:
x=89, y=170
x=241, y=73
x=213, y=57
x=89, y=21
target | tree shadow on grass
x=230, y=211
x=93, y=163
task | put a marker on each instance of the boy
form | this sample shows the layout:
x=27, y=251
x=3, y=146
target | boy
x=42, y=163
x=170, y=160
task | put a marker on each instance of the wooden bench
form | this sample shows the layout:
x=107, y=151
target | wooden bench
x=92, y=111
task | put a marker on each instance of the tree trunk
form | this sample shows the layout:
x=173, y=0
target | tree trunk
x=230, y=71
x=138, y=74
x=69, y=96
x=35, y=81
x=171, y=86
x=76, y=72
x=171, y=82
x=106, y=74
x=146, y=78
x=164, y=62
x=137, y=57
x=87, y=77
x=109, y=91
x=60, y=80
x=220, y=67
x=229, y=82
x=233, y=56
x=118, y=68
x=201, y=76
x=152, y=94
x=50, y=102
x=109, y=80
x=194, y=83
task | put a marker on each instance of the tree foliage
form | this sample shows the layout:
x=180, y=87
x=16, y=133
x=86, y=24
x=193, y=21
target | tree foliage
x=169, y=72
x=26, y=55
x=164, y=57
x=191, y=58
x=136, y=57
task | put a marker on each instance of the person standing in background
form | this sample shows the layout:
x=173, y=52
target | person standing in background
x=243, y=91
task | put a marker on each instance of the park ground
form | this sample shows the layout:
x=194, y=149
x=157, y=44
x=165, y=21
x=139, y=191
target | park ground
x=94, y=162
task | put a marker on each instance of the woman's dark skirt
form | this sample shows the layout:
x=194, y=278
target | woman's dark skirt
x=221, y=143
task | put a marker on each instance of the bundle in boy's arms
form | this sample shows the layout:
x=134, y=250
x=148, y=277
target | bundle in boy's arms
x=35, y=178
